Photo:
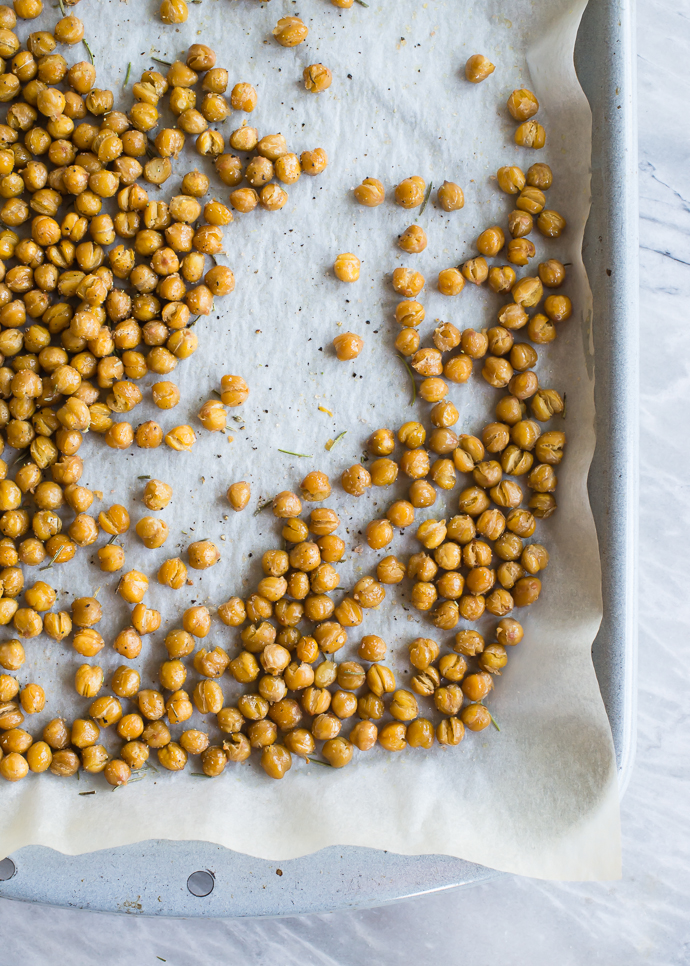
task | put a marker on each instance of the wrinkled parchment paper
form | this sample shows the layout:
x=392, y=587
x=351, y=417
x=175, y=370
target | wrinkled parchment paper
x=537, y=798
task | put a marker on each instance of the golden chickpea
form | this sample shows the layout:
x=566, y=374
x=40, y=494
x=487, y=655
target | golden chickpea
x=450, y=281
x=13, y=767
x=347, y=346
x=530, y=134
x=181, y=438
x=172, y=756
x=203, y=554
x=128, y=643
x=539, y=175
x=478, y=68
x=317, y=78
x=356, y=480
x=197, y=621
x=133, y=586
x=314, y=162
x=379, y=533
x=522, y=104
x=410, y=192
x=290, y=31
x=551, y=224
x=393, y=736
x=413, y=240
x=370, y=193
x=330, y=546
x=32, y=698
x=390, y=570
x=450, y=196
x=346, y=267
x=174, y=11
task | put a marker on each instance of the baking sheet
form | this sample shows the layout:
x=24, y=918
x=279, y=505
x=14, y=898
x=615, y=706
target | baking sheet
x=539, y=797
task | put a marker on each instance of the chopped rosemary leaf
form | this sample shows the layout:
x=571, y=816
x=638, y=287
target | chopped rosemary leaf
x=261, y=506
x=317, y=761
x=331, y=442
x=48, y=566
x=414, y=384
x=93, y=792
x=426, y=198
x=129, y=71
x=90, y=52
x=305, y=456
x=159, y=60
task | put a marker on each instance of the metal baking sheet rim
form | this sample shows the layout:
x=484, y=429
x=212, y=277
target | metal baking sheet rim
x=151, y=878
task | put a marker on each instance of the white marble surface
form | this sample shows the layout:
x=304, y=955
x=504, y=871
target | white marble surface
x=644, y=918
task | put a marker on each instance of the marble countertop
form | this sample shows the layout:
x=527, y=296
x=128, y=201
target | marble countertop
x=644, y=918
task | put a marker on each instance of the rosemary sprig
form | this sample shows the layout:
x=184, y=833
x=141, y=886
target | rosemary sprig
x=331, y=442
x=159, y=60
x=306, y=456
x=62, y=8
x=143, y=477
x=49, y=566
x=426, y=198
x=92, y=792
x=90, y=52
x=414, y=384
x=317, y=761
x=129, y=71
x=362, y=3
x=493, y=722
x=199, y=774
x=261, y=506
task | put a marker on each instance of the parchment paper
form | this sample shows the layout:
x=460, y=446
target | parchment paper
x=540, y=797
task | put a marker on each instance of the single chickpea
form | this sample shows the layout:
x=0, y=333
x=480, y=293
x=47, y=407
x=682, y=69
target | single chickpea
x=410, y=192
x=317, y=78
x=530, y=134
x=450, y=281
x=234, y=391
x=370, y=193
x=346, y=267
x=314, y=162
x=174, y=11
x=165, y=395
x=290, y=31
x=238, y=495
x=450, y=196
x=348, y=346
x=478, y=68
x=522, y=104
x=203, y=554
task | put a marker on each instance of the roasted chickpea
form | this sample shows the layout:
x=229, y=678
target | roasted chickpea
x=478, y=68
x=317, y=78
x=346, y=267
x=410, y=192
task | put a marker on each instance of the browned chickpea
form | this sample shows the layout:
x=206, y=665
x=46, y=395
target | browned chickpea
x=370, y=193
x=511, y=179
x=356, y=480
x=410, y=192
x=478, y=68
x=86, y=611
x=522, y=104
x=347, y=346
x=539, y=176
x=317, y=78
x=174, y=11
x=346, y=267
x=450, y=196
x=530, y=134
x=491, y=241
x=290, y=31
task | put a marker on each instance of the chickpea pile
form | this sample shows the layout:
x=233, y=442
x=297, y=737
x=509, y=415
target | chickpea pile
x=73, y=339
